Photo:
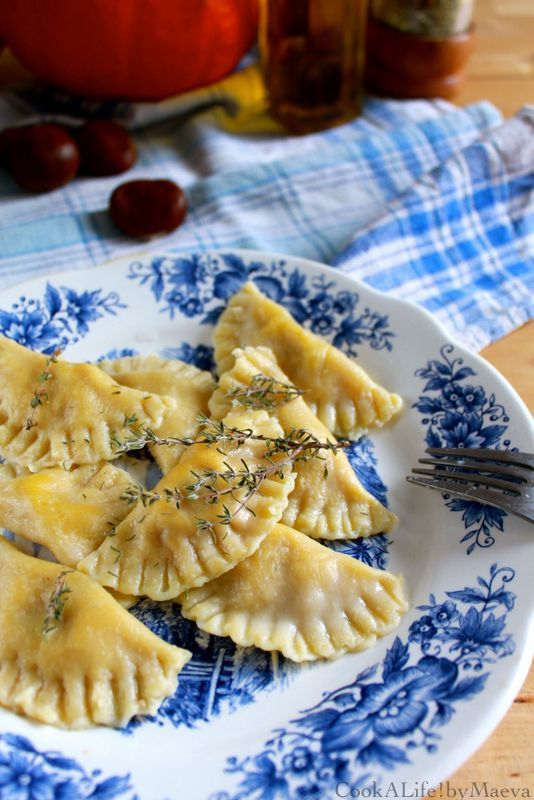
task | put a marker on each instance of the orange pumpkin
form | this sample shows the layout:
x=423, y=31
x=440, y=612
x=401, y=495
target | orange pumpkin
x=133, y=49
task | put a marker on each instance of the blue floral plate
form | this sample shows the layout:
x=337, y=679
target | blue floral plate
x=247, y=725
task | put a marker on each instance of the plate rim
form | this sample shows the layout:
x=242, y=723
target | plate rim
x=303, y=260
x=501, y=701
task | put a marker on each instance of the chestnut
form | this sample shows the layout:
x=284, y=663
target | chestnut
x=147, y=207
x=106, y=147
x=39, y=157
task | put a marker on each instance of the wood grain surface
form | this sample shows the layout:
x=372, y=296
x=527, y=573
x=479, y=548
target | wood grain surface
x=502, y=66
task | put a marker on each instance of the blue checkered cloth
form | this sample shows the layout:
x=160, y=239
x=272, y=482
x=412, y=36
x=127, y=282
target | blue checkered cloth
x=420, y=199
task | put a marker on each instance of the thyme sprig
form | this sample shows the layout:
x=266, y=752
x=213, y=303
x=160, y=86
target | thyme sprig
x=240, y=483
x=264, y=392
x=204, y=486
x=212, y=486
x=40, y=395
x=217, y=432
x=56, y=602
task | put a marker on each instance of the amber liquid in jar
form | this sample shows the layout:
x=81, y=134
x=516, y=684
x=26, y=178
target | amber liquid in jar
x=312, y=55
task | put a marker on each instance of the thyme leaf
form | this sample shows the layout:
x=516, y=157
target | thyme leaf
x=40, y=394
x=56, y=603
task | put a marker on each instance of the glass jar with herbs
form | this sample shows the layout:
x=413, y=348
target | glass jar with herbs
x=418, y=48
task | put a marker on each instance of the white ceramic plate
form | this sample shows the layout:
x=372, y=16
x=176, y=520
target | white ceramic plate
x=400, y=717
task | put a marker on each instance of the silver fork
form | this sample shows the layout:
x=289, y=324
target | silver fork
x=500, y=478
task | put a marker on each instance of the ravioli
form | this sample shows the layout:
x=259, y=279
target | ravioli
x=9, y=471
x=76, y=421
x=346, y=400
x=299, y=597
x=190, y=387
x=335, y=506
x=96, y=665
x=161, y=550
x=70, y=513
x=199, y=378
x=125, y=600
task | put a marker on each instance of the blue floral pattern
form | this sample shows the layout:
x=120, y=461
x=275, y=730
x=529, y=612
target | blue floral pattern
x=200, y=286
x=374, y=549
x=200, y=355
x=60, y=318
x=389, y=710
x=118, y=352
x=30, y=774
x=362, y=458
x=457, y=413
x=220, y=677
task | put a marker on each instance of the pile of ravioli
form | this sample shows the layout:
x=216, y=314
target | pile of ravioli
x=264, y=579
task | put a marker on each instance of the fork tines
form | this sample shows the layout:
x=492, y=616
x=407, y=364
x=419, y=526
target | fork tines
x=501, y=478
x=486, y=455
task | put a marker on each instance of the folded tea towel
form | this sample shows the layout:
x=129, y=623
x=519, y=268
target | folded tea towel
x=421, y=199
x=461, y=241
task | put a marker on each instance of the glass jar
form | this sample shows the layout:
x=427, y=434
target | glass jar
x=312, y=54
x=418, y=48
x=434, y=18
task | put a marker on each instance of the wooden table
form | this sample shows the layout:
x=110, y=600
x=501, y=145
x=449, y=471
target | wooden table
x=502, y=70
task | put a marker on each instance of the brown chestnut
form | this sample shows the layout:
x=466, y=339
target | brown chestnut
x=106, y=147
x=147, y=207
x=40, y=157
